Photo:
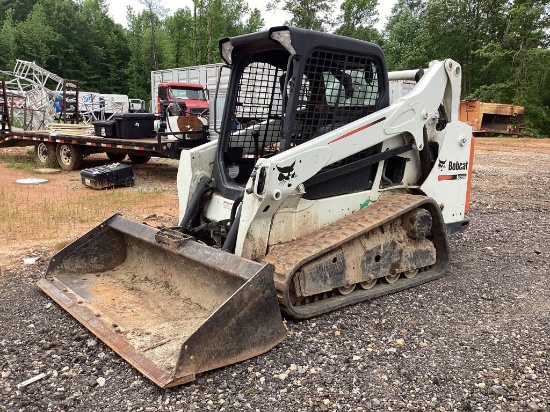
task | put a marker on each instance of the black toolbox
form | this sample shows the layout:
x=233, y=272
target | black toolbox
x=105, y=128
x=135, y=125
x=101, y=177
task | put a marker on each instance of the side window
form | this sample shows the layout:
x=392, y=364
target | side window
x=256, y=117
x=352, y=87
x=337, y=88
x=162, y=93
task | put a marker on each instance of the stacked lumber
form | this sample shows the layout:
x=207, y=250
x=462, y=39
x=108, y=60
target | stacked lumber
x=80, y=130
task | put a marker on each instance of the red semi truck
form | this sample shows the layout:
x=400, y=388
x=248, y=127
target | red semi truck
x=191, y=97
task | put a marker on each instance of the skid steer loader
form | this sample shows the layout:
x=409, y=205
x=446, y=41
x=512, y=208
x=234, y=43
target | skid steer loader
x=318, y=194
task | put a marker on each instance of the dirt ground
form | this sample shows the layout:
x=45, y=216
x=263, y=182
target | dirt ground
x=37, y=219
x=505, y=167
x=474, y=340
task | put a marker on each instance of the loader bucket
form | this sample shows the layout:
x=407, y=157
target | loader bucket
x=169, y=305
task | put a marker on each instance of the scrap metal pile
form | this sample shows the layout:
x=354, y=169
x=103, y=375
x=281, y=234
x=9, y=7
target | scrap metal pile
x=37, y=98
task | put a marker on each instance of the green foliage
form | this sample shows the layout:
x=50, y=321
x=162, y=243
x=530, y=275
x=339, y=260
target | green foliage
x=307, y=14
x=187, y=38
x=36, y=36
x=180, y=28
x=8, y=40
x=502, y=45
x=21, y=8
x=358, y=20
x=216, y=19
x=404, y=36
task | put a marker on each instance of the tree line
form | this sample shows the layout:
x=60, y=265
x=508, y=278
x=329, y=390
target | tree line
x=502, y=45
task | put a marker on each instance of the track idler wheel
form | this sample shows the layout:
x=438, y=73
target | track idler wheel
x=409, y=274
x=346, y=290
x=368, y=284
x=392, y=278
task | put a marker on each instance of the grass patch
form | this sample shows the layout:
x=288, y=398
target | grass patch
x=63, y=209
x=15, y=161
x=60, y=214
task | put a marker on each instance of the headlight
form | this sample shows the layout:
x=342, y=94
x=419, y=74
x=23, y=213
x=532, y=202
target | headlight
x=227, y=49
x=283, y=37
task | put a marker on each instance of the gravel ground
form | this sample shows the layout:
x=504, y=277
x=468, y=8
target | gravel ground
x=475, y=340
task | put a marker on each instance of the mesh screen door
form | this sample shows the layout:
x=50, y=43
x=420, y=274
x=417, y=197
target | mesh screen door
x=326, y=91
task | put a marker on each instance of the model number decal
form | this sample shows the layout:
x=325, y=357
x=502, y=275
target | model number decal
x=460, y=176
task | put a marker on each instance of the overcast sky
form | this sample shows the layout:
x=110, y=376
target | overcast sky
x=117, y=9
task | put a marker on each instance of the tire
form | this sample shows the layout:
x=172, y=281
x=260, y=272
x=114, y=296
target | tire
x=116, y=157
x=69, y=156
x=44, y=154
x=139, y=159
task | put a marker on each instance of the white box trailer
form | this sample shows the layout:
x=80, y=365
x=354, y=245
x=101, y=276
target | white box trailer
x=399, y=88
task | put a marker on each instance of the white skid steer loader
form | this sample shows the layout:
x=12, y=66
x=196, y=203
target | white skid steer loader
x=318, y=194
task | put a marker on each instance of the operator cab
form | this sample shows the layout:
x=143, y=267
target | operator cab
x=289, y=86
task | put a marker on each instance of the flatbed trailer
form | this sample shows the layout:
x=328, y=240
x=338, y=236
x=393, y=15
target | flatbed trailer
x=68, y=151
x=66, y=144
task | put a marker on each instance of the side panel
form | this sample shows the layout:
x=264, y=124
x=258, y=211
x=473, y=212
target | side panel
x=470, y=173
x=307, y=216
x=448, y=182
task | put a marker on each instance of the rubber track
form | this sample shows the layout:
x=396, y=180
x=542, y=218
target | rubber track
x=289, y=257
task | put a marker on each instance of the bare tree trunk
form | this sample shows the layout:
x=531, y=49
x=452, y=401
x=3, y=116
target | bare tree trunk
x=210, y=29
x=154, y=7
x=195, y=34
x=154, y=56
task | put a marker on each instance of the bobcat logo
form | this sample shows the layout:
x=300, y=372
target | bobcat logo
x=441, y=164
x=286, y=174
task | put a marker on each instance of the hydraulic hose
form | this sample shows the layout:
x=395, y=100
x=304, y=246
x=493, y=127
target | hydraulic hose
x=231, y=239
x=425, y=166
x=193, y=208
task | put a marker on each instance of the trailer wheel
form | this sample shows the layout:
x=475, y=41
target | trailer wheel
x=44, y=154
x=116, y=157
x=139, y=159
x=69, y=156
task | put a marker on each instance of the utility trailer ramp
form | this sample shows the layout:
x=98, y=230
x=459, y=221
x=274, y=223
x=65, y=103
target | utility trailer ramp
x=169, y=305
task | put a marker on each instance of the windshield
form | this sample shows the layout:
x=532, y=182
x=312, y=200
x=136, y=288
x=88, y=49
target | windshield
x=187, y=93
x=257, y=114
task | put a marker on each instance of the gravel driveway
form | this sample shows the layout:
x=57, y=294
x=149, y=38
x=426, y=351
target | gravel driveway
x=475, y=340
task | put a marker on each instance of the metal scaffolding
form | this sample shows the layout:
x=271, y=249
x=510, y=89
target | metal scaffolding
x=34, y=95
